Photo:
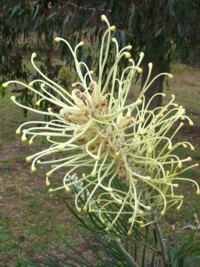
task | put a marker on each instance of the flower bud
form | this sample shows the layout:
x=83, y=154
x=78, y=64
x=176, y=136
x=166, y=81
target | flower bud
x=103, y=18
x=4, y=85
x=113, y=28
x=58, y=39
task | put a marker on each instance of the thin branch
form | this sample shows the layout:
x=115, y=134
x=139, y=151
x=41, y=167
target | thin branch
x=130, y=259
x=162, y=245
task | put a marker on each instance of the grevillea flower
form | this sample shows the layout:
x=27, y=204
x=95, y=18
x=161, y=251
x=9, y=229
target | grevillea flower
x=123, y=153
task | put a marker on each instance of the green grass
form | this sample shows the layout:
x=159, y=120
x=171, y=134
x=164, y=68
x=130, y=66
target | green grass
x=30, y=217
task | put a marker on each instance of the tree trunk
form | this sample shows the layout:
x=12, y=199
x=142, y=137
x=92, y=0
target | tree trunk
x=156, y=87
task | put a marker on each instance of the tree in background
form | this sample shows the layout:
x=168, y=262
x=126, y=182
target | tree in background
x=160, y=28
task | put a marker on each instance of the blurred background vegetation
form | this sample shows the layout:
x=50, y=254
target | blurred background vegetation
x=164, y=29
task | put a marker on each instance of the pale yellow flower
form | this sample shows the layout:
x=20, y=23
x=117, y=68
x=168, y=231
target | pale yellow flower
x=126, y=163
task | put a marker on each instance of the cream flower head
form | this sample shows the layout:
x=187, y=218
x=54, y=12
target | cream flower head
x=126, y=162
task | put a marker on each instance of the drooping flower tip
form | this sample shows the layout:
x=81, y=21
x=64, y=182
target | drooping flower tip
x=33, y=169
x=103, y=18
x=42, y=85
x=139, y=102
x=141, y=55
x=107, y=229
x=37, y=103
x=191, y=123
x=182, y=118
x=149, y=150
x=150, y=65
x=129, y=232
x=148, y=208
x=60, y=147
x=78, y=209
x=175, y=105
x=130, y=220
x=28, y=159
x=48, y=174
x=93, y=174
x=47, y=182
x=30, y=142
x=13, y=98
x=113, y=28
x=180, y=165
x=192, y=147
x=114, y=40
x=179, y=206
x=57, y=39
x=85, y=208
x=67, y=188
x=109, y=189
x=139, y=69
x=97, y=158
x=18, y=131
x=127, y=55
x=34, y=55
x=169, y=147
x=129, y=47
x=128, y=115
x=23, y=139
x=5, y=85
x=141, y=212
x=30, y=84
x=102, y=221
x=119, y=201
x=198, y=192
x=91, y=210
x=170, y=76
x=81, y=43
x=162, y=213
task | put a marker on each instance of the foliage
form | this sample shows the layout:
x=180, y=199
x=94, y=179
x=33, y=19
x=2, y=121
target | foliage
x=14, y=22
x=111, y=250
x=159, y=28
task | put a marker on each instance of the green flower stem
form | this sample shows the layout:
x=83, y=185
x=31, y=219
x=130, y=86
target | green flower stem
x=162, y=245
x=128, y=256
